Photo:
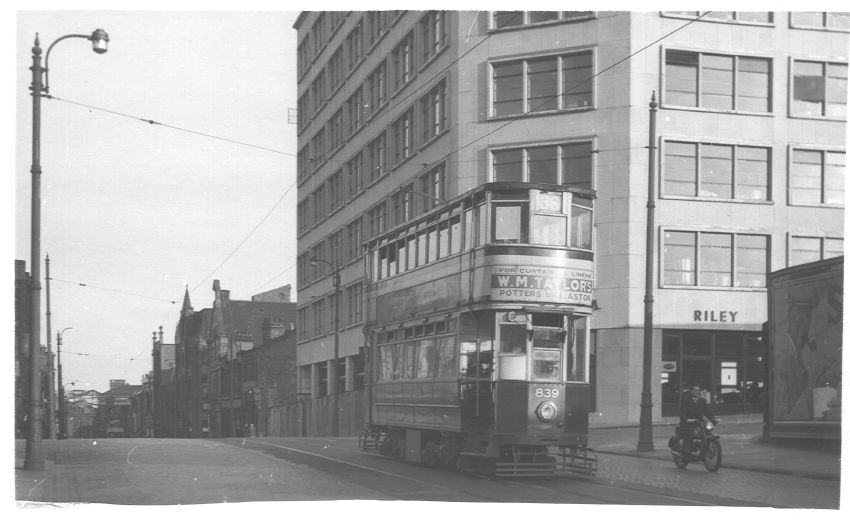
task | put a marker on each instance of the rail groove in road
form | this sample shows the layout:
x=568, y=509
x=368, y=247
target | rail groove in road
x=562, y=489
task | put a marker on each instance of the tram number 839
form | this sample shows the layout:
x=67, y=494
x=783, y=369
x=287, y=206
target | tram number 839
x=551, y=393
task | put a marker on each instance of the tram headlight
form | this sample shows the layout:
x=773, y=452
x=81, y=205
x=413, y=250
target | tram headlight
x=547, y=411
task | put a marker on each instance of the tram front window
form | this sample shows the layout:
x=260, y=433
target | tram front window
x=546, y=364
x=512, y=353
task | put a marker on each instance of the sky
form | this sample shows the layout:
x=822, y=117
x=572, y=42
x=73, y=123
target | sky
x=137, y=211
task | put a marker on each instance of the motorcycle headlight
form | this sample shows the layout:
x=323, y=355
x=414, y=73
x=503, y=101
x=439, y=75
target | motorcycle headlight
x=547, y=411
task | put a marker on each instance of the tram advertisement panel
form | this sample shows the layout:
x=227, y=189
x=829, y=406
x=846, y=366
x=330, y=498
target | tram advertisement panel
x=571, y=285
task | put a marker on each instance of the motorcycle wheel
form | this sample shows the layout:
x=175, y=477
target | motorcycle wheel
x=679, y=461
x=713, y=455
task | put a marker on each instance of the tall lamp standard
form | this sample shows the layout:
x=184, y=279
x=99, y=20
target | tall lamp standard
x=62, y=419
x=645, y=442
x=34, y=459
x=332, y=375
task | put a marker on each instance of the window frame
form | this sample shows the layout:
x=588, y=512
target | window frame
x=736, y=145
x=559, y=83
x=825, y=62
x=674, y=14
x=559, y=159
x=822, y=240
x=735, y=88
x=734, y=269
x=824, y=151
x=525, y=23
x=824, y=27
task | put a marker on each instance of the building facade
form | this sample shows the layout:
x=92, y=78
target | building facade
x=399, y=111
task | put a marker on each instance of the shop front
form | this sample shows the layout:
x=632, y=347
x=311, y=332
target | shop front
x=728, y=365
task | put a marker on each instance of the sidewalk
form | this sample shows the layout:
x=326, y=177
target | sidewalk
x=743, y=448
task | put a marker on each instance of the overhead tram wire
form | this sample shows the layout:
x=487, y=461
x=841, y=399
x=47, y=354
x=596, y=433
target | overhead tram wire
x=157, y=123
x=239, y=245
x=81, y=284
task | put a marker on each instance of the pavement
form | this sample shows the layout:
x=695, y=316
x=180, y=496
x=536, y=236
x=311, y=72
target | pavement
x=744, y=448
x=740, y=437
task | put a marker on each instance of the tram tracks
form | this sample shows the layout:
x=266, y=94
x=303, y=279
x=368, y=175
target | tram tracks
x=400, y=485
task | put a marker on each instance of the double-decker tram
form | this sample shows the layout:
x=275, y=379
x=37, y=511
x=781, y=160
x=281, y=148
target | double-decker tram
x=477, y=332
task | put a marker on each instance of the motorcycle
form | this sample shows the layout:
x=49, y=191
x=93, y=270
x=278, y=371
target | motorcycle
x=705, y=446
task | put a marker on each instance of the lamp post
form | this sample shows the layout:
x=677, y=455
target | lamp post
x=34, y=459
x=645, y=434
x=332, y=374
x=62, y=419
x=63, y=411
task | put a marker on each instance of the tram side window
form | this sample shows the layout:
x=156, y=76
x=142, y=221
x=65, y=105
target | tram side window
x=476, y=362
x=425, y=358
x=446, y=357
x=510, y=223
x=577, y=351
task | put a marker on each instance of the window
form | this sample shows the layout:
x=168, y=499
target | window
x=705, y=259
x=432, y=187
x=758, y=17
x=543, y=84
x=403, y=137
x=812, y=249
x=377, y=25
x=354, y=172
x=716, y=170
x=819, y=89
x=507, y=19
x=568, y=164
x=354, y=238
x=717, y=82
x=510, y=223
x=355, y=110
x=303, y=208
x=303, y=111
x=335, y=248
x=335, y=71
x=335, y=130
x=816, y=177
x=318, y=34
x=317, y=91
x=434, y=34
x=377, y=87
x=318, y=317
x=317, y=149
x=354, y=43
x=434, y=112
x=304, y=168
x=303, y=55
x=402, y=57
x=319, y=204
x=377, y=157
x=377, y=219
x=821, y=20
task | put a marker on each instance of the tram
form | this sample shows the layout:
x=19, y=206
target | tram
x=477, y=337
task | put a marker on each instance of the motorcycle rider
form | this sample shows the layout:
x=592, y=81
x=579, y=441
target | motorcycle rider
x=694, y=407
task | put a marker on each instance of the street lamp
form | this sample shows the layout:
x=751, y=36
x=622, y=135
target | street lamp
x=332, y=374
x=34, y=452
x=62, y=418
x=645, y=442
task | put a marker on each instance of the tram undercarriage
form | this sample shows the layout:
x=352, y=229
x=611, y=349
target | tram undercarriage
x=478, y=454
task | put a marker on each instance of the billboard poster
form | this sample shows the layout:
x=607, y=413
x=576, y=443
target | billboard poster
x=807, y=316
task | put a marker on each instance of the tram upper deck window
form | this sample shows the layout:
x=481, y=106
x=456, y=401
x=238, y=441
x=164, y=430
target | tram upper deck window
x=581, y=223
x=510, y=222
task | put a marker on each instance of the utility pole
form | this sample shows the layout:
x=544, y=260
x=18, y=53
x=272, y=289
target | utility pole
x=51, y=388
x=645, y=434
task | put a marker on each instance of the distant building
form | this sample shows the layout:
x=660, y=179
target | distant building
x=22, y=334
x=281, y=294
x=115, y=415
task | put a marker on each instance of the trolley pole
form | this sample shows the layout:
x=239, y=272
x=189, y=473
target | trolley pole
x=645, y=434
